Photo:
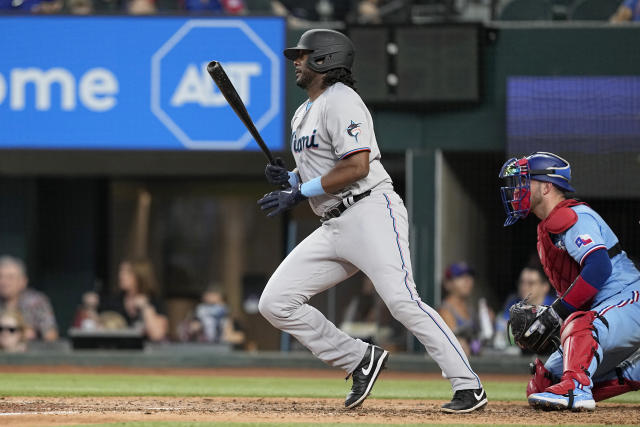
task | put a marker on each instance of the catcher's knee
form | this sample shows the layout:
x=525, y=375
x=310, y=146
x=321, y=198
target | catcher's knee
x=541, y=379
x=580, y=323
x=580, y=343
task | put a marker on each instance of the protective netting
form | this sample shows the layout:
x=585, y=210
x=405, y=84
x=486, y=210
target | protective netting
x=593, y=122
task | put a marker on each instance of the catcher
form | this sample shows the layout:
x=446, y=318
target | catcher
x=594, y=325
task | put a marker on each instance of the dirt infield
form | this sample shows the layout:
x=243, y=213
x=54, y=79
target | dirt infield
x=50, y=411
x=59, y=411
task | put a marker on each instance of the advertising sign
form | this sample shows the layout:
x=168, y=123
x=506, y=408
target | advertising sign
x=138, y=82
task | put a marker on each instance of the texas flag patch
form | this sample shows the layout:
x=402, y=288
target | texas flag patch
x=583, y=240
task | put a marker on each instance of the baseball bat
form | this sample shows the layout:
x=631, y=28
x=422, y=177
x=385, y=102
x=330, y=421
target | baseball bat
x=221, y=79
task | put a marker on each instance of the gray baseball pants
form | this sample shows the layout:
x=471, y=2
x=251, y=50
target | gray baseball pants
x=371, y=236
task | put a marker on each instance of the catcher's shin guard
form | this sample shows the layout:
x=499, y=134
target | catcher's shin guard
x=541, y=379
x=579, y=347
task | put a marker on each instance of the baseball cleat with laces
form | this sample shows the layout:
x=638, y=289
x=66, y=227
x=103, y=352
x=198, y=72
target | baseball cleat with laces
x=574, y=400
x=365, y=375
x=466, y=401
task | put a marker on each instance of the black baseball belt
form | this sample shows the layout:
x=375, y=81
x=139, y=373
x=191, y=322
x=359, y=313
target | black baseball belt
x=337, y=210
x=614, y=250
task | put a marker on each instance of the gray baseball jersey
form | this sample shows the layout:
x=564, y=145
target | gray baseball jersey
x=372, y=236
x=337, y=124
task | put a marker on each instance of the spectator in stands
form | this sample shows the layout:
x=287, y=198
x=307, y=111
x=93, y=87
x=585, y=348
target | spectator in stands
x=86, y=316
x=141, y=7
x=457, y=309
x=226, y=7
x=34, y=306
x=80, y=7
x=211, y=322
x=312, y=10
x=532, y=285
x=629, y=10
x=13, y=337
x=369, y=12
x=137, y=302
x=366, y=317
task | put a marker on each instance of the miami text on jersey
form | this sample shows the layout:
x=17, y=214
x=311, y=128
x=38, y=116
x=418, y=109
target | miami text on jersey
x=303, y=142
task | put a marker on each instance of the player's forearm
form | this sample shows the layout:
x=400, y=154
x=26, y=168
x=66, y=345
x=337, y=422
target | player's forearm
x=336, y=180
x=596, y=270
x=346, y=172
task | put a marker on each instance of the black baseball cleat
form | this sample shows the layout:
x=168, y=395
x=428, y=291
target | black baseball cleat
x=466, y=401
x=365, y=375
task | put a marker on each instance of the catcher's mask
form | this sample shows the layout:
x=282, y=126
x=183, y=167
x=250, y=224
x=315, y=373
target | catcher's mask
x=518, y=173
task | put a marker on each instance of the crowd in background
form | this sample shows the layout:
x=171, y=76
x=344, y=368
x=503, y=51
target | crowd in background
x=314, y=10
x=26, y=315
x=468, y=315
x=302, y=12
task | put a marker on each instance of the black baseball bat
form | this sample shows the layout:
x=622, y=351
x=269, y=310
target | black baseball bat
x=231, y=95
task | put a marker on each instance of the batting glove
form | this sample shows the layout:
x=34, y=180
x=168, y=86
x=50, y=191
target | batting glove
x=281, y=200
x=277, y=174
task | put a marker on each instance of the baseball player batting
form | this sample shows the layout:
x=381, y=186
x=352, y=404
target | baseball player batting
x=364, y=227
x=597, y=313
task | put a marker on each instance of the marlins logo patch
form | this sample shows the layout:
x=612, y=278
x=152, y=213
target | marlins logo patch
x=354, y=129
x=583, y=239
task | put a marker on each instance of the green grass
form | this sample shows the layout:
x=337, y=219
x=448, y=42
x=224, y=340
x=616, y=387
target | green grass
x=161, y=385
x=166, y=385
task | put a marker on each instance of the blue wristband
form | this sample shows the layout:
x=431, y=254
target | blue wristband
x=312, y=188
x=293, y=179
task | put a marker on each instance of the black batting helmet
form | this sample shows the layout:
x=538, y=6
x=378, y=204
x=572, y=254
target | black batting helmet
x=328, y=49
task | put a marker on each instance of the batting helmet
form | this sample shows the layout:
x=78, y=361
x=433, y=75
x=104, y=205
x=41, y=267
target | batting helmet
x=328, y=49
x=518, y=173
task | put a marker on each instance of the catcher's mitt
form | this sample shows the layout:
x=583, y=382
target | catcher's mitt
x=535, y=327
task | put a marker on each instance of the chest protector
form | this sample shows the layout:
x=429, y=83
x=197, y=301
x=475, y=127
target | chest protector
x=558, y=265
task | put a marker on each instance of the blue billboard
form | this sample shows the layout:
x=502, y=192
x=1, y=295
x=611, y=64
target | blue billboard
x=138, y=82
x=585, y=114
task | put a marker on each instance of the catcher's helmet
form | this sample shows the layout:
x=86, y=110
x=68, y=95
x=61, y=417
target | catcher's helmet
x=328, y=49
x=518, y=173
x=551, y=168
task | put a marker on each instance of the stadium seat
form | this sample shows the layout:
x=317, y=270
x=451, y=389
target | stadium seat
x=593, y=10
x=526, y=10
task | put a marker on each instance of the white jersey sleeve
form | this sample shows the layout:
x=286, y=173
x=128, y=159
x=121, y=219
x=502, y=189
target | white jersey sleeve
x=348, y=127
